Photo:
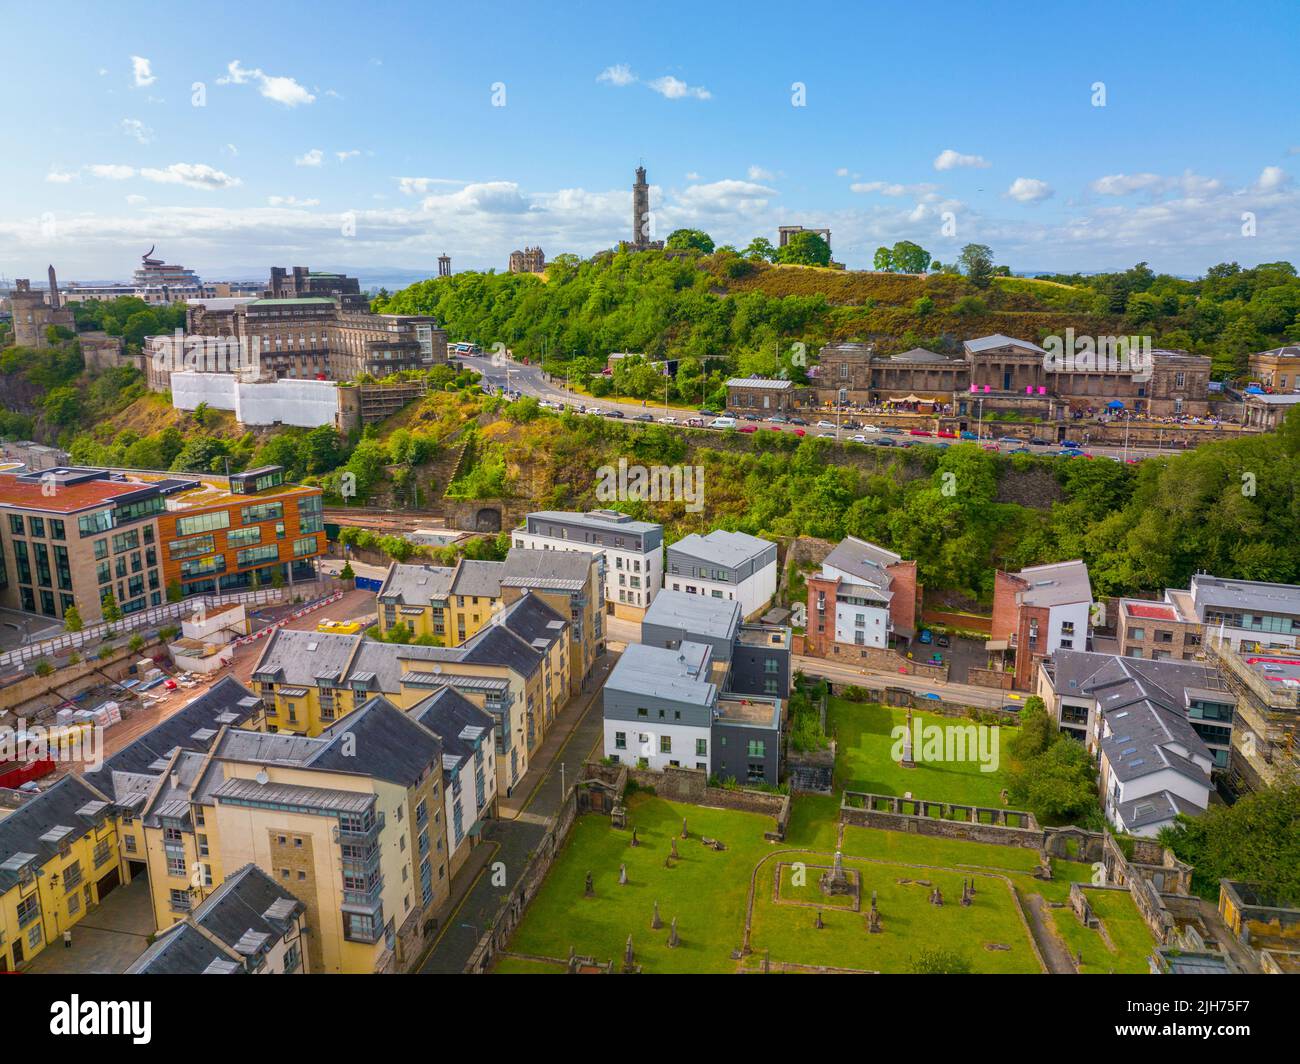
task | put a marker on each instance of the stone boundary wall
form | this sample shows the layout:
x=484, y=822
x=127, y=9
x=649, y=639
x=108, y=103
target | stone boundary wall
x=866, y=815
x=691, y=786
x=902, y=697
x=966, y=621
x=497, y=936
x=877, y=659
x=996, y=679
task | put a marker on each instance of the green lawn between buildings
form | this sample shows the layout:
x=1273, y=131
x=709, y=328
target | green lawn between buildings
x=864, y=760
x=707, y=892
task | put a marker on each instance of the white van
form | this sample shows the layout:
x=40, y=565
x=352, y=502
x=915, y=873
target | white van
x=723, y=422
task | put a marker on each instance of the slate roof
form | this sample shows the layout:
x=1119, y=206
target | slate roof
x=604, y=520
x=478, y=578
x=23, y=831
x=565, y=570
x=1156, y=809
x=126, y=772
x=301, y=658
x=416, y=585
x=865, y=562
x=448, y=714
x=533, y=620
x=1057, y=584
x=183, y=949
x=378, y=739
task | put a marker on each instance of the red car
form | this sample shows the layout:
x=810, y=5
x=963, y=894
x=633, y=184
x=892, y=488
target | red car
x=944, y=434
x=798, y=432
x=990, y=446
x=919, y=432
x=747, y=428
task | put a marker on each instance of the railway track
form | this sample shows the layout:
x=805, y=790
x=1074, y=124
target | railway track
x=384, y=520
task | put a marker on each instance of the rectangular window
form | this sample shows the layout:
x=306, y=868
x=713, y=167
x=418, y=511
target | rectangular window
x=95, y=524
x=209, y=522
x=192, y=548
x=263, y=511
x=244, y=537
x=37, y=526
x=304, y=546
x=257, y=555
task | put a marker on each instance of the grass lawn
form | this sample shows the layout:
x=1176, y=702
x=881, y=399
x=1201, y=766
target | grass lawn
x=911, y=924
x=864, y=761
x=706, y=890
x=1125, y=927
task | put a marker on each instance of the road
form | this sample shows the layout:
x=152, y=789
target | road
x=507, y=374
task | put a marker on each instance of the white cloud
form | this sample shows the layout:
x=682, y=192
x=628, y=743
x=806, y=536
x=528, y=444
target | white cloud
x=892, y=188
x=757, y=173
x=692, y=176
x=111, y=171
x=619, y=74
x=60, y=177
x=843, y=171
x=727, y=195
x=230, y=149
x=312, y=158
x=1188, y=183
x=133, y=127
x=672, y=88
x=1029, y=190
x=291, y=201
x=135, y=199
x=951, y=160
x=1271, y=179
x=142, y=72
x=344, y=156
x=281, y=89
x=191, y=175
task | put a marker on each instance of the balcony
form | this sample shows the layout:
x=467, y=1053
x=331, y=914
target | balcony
x=355, y=836
x=368, y=901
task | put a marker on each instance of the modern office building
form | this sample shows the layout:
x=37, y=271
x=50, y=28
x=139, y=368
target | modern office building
x=727, y=565
x=632, y=551
x=73, y=536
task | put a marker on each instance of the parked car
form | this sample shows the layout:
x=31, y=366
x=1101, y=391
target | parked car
x=858, y=439
x=927, y=637
x=748, y=428
x=799, y=432
x=943, y=641
x=990, y=446
x=777, y=419
x=1034, y=441
x=946, y=434
x=695, y=422
x=749, y=417
x=704, y=411
x=614, y=413
x=826, y=424
x=723, y=423
x=1070, y=452
x=919, y=432
x=1010, y=441
x=668, y=421
x=966, y=434
x=940, y=444
x=905, y=443
x=797, y=421
x=1071, y=445
x=893, y=430
x=1020, y=450
x=643, y=417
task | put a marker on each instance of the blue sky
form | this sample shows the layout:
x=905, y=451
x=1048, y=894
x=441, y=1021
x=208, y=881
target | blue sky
x=370, y=136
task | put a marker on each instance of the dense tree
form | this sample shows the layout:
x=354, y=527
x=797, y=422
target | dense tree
x=977, y=262
x=690, y=240
x=805, y=249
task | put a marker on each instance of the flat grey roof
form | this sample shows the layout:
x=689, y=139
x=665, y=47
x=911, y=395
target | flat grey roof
x=1254, y=595
x=719, y=547
x=699, y=615
x=604, y=520
x=672, y=675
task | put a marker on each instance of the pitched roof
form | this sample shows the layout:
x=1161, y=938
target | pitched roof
x=1056, y=584
x=377, y=739
x=416, y=585
x=1156, y=809
x=988, y=343
x=565, y=570
x=29, y=835
x=131, y=769
x=455, y=720
x=478, y=578
x=864, y=561
x=183, y=949
x=302, y=658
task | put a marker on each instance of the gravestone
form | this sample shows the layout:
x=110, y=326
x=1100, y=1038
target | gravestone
x=873, y=917
x=685, y=833
x=819, y=925
x=622, y=875
x=673, y=940
x=655, y=922
x=590, y=890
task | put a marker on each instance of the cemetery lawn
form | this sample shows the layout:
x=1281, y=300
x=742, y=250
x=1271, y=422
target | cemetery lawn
x=864, y=760
x=708, y=892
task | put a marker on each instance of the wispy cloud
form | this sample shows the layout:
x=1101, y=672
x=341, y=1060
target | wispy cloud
x=291, y=201
x=314, y=157
x=136, y=129
x=344, y=156
x=620, y=75
x=281, y=89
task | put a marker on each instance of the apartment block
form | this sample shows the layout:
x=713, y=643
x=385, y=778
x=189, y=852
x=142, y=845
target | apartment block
x=58, y=859
x=632, y=551
x=72, y=536
x=250, y=925
x=864, y=596
x=1038, y=611
x=448, y=605
x=1150, y=725
x=703, y=690
x=724, y=565
x=517, y=669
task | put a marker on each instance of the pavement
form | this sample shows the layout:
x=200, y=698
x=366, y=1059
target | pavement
x=107, y=939
x=574, y=737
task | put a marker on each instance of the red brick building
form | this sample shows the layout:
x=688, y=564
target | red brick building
x=864, y=597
